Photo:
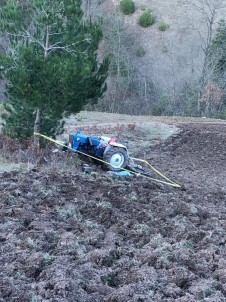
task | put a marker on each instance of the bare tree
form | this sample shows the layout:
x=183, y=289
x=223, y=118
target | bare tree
x=129, y=90
x=117, y=44
x=212, y=97
x=209, y=10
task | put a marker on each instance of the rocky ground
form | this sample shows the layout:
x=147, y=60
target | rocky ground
x=66, y=236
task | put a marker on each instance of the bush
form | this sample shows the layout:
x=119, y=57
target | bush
x=146, y=19
x=143, y=7
x=164, y=49
x=127, y=7
x=140, y=51
x=162, y=26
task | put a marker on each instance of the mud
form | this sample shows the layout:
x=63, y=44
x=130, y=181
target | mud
x=70, y=236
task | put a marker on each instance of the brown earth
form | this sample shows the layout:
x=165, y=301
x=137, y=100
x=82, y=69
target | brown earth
x=70, y=236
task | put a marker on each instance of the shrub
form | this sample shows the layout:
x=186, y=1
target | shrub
x=127, y=7
x=146, y=19
x=162, y=26
x=140, y=51
x=164, y=49
x=143, y=7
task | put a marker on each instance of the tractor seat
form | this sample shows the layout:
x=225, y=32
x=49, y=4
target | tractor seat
x=94, y=140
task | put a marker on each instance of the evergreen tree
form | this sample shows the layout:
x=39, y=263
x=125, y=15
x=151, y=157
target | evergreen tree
x=50, y=66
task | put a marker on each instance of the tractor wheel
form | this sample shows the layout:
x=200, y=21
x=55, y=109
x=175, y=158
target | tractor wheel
x=117, y=158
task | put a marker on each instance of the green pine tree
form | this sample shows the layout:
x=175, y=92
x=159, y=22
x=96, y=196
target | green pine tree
x=50, y=66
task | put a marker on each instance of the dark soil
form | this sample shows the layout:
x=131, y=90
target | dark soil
x=69, y=236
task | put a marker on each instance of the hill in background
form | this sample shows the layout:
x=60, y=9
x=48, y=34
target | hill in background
x=156, y=68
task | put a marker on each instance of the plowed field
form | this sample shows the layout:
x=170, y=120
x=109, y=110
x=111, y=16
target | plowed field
x=66, y=236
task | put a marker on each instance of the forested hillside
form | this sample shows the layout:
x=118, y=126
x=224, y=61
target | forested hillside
x=169, y=67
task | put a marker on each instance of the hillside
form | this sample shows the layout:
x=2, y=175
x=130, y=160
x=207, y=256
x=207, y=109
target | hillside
x=152, y=71
x=175, y=56
x=67, y=236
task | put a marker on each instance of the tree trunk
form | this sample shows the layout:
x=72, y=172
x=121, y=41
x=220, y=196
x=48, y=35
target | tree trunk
x=37, y=128
x=37, y=125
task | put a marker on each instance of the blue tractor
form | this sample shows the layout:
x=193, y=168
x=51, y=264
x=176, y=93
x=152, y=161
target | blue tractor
x=104, y=148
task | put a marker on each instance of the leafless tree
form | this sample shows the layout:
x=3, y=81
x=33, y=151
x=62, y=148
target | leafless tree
x=209, y=10
x=212, y=97
x=129, y=90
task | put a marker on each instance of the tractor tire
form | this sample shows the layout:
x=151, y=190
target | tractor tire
x=117, y=158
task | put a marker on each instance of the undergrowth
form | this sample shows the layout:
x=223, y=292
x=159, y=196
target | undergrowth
x=14, y=151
